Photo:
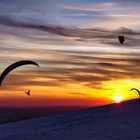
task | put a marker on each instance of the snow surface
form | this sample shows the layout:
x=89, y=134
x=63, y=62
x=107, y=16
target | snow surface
x=110, y=122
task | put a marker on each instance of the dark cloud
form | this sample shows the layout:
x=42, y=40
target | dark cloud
x=77, y=68
x=79, y=35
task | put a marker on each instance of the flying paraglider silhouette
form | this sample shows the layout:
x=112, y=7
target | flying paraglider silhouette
x=14, y=66
x=28, y=92
x=136, y=90
x=121, y=39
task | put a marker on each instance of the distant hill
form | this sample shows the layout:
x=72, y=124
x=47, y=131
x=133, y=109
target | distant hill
x=109, y=122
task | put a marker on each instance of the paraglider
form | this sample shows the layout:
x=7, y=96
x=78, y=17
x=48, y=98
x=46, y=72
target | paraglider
x=28, y=92
x=136, y=90
x=121, y=39
x=13, y=66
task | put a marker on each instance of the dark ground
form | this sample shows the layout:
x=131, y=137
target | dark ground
x=109, y=122
x=11, y=115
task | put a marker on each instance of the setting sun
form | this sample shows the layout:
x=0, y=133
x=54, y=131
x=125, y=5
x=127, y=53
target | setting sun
x=118, y=99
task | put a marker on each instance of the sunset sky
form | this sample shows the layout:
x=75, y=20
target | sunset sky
x=75, y=43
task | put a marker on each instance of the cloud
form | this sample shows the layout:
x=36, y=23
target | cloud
x=79, y=35
x=88, y=69
x=95, y=7
x=87, y=56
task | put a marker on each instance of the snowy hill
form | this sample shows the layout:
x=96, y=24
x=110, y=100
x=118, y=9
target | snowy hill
x=110, y=122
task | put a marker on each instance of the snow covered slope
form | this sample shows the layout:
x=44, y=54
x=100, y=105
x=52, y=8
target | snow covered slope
x=110, y=122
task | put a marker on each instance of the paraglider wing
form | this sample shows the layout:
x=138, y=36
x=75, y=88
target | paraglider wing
x=15, y=65
x=121, y=39
x=136, y=90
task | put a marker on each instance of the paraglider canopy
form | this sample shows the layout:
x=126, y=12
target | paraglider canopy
x=136, y=90
x=121, y=39
x=14, y=66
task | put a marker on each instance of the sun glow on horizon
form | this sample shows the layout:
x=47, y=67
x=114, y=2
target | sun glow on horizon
x=118, y=99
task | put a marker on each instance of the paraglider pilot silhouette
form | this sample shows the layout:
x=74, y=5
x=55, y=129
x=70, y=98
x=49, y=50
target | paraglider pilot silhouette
x=136, y=90
x=121, y=39
x=14, y=66
x=28, y=92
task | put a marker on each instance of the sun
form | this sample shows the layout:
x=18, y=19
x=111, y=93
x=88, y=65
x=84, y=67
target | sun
x=118, y=99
